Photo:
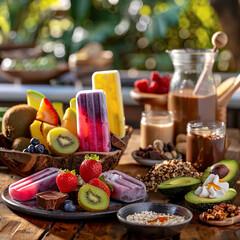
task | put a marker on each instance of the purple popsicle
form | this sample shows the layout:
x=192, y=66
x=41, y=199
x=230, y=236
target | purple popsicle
x=27, y=188
x=125, y=188
x=92, y=121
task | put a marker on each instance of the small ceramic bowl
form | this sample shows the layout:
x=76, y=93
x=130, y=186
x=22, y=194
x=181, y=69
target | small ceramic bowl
x=150, y=162
x=151, y=231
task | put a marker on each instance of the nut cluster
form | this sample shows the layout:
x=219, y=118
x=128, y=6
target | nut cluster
x=159, y=151
x=167, y=170
x=181, y=143
x=221, y=212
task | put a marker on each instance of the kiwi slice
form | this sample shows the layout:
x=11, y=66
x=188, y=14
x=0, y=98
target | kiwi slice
x=92, y=198
x=20, y=143
x=62, y=142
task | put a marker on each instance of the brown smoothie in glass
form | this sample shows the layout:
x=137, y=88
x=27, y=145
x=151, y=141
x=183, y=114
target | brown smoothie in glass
x=187, y=107
x=205, y=150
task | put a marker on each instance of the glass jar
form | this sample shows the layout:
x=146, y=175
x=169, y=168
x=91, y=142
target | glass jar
x=205, y=143
x=184, y=101
x=156, y=125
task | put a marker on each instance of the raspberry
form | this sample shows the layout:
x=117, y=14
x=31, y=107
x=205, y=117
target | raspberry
x=155, y=77
x=165, y=81
x=154, y=86
x=141, y=85
x=162, y=90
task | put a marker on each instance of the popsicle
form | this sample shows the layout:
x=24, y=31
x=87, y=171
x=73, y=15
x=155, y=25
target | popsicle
x=125, y=188
x=109, y=82
x=92, y=121
x=27, y=188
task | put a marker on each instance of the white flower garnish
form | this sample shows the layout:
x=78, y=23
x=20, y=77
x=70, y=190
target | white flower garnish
x=212, y=187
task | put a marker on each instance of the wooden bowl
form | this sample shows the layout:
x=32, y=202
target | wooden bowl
x=158, y=101
x=35, y=77
x=25, y=164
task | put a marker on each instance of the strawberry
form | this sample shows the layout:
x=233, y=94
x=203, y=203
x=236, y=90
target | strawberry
x=155, y=77
x=153, y=88
x=101, y=183
x=90, y=168
x=47, y=113
x=66, y=181
x=141, y=85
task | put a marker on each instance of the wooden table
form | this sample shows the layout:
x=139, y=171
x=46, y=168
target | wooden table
x=14, y=225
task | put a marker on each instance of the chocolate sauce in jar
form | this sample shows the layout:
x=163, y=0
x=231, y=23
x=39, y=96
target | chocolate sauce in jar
x=205, y=143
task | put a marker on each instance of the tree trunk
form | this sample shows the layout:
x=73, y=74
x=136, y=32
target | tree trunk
x=228, y=12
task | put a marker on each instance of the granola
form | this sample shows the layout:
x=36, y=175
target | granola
x=167, y=170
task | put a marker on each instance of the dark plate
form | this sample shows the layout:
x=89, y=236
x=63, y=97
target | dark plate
x=149, y=162
x=31, y=208
x=151, y=231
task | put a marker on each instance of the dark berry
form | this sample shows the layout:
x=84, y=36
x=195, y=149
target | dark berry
x=70, y=208
x=68, y=202
x=45, y=151
x=113, y=148
x=31, y=148
x=25, y=150
x=39, y=148
x=34, y=141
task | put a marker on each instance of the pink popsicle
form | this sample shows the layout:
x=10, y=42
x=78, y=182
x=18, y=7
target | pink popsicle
x=92, y=121
x=125, y=188
x=27, y=188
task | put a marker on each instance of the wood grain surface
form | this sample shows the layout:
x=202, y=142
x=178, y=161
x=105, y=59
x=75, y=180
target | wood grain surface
x=14, y=225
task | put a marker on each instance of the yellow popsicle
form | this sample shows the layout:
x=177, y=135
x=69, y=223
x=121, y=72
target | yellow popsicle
x=109, y=82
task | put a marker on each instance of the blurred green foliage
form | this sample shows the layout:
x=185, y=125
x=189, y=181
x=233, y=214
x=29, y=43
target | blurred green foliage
x=137, y=31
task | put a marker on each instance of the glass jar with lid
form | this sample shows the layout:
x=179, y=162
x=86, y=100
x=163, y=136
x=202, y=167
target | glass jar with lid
x=205, y=143
x=187, y=99
x=156, y=125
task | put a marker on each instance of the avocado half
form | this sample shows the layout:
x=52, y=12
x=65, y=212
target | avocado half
x=203, y=204
x=231, y=177
x=180, y=185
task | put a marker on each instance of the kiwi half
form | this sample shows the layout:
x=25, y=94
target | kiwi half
x=92, y=198
x=17, y=120
x=62, y=142
x=20, y=143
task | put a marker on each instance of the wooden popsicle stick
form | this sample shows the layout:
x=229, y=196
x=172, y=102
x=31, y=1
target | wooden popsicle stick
x=226, y=222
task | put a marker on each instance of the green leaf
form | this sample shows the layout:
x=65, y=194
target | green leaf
x=92, y=157
x=69, y=171
x=79, y=10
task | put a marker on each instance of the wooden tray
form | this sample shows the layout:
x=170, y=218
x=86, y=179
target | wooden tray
x=156, y=101
x=25, y=164
x=34, y=76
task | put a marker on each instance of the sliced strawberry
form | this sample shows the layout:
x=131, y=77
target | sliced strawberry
x=47, y=113
x=155, y=77
x=141, y=85
x=154, y=86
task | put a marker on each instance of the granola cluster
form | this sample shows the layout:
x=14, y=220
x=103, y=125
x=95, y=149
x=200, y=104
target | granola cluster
x=167, y=170
x=221, y=212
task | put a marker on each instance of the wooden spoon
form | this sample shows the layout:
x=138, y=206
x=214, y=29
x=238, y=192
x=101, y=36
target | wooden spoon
x=226, y=222
x=224, y=86
x=226, y=96
x=219, y=40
